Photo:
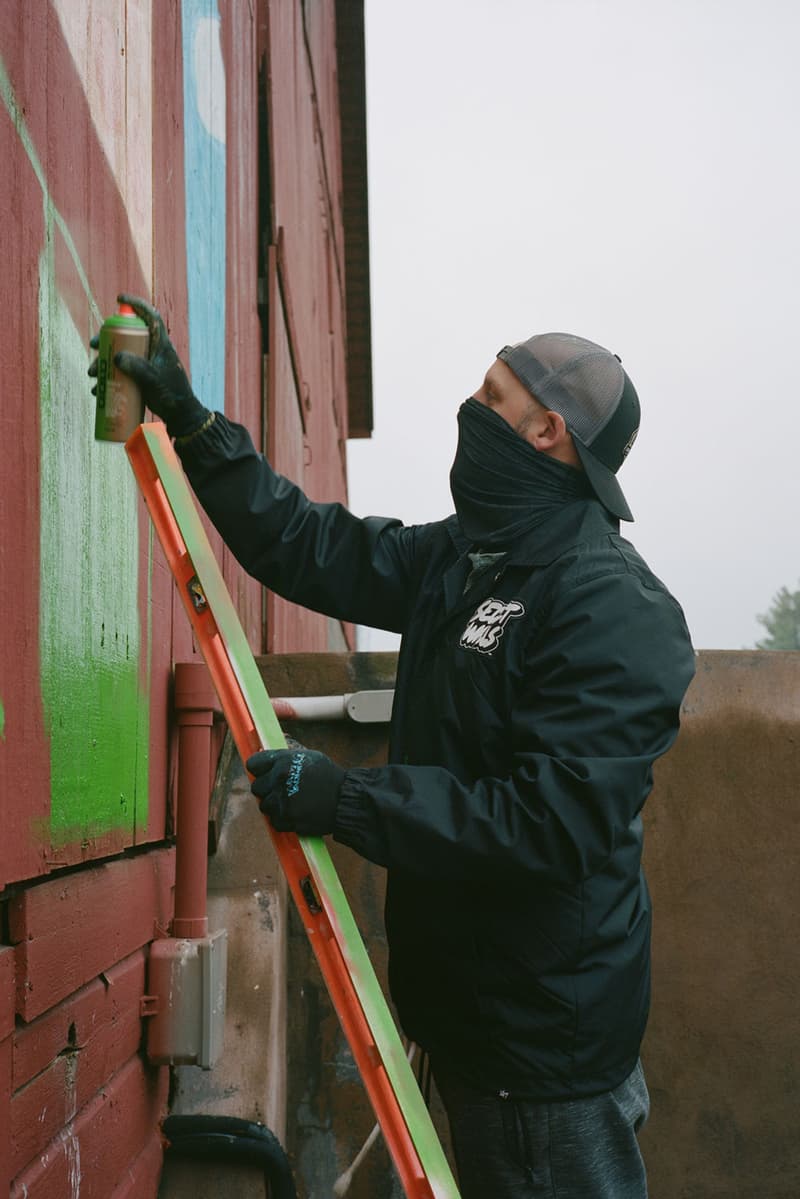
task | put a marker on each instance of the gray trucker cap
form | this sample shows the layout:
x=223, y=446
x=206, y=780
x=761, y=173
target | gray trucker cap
x=588, y=387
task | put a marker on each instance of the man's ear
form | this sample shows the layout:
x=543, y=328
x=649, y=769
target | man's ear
x=551, y=436
x=549, y=432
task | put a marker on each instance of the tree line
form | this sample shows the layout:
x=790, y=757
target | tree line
x=781, y=621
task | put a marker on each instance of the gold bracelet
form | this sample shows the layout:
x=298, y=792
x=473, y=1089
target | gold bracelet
x=207, y=423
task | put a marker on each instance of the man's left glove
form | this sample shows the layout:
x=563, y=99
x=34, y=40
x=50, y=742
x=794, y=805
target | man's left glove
x=161, y=379
x=298, y=789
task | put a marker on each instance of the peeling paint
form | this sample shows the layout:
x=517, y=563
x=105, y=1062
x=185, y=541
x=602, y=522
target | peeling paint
x=72, y=1151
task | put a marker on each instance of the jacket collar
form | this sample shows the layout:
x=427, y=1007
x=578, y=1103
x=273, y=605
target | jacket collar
x=582, y=520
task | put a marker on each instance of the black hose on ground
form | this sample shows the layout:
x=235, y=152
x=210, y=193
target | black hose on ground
x=231, y=1139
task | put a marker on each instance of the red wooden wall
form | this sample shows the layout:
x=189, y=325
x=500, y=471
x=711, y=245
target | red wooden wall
x=96, y=102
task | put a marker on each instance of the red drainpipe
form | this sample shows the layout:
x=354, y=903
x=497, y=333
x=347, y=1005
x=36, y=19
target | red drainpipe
x=196, y=705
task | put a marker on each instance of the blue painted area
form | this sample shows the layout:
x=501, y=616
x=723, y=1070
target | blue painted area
x=204, y=148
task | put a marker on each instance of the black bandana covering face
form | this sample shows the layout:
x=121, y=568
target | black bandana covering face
x=501, y=486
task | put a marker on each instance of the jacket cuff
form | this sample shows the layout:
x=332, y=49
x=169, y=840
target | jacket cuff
x=202, y=420
x=218, y=438
x=357, y=825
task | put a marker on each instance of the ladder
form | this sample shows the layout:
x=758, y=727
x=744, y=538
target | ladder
x=326, y=915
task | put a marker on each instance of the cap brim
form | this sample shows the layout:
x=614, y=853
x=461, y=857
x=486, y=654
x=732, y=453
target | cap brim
x=604, y=482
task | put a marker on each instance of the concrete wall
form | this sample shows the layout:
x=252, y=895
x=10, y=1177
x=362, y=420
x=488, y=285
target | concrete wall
x=722, y=1052
x=247, y=896
x=328, y=1114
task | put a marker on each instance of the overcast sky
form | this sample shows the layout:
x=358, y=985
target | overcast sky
x=627, y=171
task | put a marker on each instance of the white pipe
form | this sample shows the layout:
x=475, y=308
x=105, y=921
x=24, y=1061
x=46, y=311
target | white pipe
x=363, y=707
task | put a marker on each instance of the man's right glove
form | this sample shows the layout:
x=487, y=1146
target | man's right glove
x=160, y=377
x=298, y=789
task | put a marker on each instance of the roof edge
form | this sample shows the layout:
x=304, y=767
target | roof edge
x=351, y=72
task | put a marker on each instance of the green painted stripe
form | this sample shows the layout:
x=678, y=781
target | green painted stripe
x=329, y=887
x=15, y=112
x=96, y=717
x=95, y=698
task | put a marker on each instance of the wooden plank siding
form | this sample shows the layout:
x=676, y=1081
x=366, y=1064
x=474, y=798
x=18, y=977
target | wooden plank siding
x=189, y=152
x=103, y=1140
x=60, y=1066
x=70, y=929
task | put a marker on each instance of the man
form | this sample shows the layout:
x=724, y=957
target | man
x=541, y=673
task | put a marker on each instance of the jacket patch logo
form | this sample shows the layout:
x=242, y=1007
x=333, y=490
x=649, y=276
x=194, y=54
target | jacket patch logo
x=487, y=623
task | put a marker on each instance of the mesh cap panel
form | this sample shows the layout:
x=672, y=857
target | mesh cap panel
x=572, y=376
x=586, y=384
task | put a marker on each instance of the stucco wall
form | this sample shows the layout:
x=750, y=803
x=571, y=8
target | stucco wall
x=722, y=1051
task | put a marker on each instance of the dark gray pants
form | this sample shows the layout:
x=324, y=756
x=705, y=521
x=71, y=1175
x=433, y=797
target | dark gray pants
x=580, y=1149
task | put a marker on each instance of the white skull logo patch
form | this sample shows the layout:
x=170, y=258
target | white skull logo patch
x=487, y=623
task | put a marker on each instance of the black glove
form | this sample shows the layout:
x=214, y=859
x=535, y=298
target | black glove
x=298, y=789
x=160, y=377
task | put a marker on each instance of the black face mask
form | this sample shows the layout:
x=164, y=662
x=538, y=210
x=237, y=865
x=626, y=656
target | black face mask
x=502, y=487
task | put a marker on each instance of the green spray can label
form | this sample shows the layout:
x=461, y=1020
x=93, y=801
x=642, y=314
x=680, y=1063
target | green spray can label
x=120, y=407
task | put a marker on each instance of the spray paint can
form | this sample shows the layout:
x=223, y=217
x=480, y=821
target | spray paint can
x=120, y=407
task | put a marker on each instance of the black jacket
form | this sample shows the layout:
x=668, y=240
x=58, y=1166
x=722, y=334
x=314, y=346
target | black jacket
x=528, y=713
